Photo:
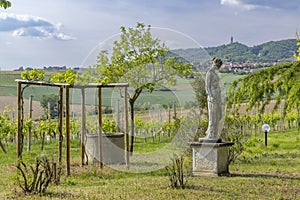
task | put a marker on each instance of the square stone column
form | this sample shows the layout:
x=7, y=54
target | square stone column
x=210, y=159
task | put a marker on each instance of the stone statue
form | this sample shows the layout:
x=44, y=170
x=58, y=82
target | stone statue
x=211, y=154
x=214, y=100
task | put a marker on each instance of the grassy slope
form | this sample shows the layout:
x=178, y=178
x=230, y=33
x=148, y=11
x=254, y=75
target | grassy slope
x=8, y=86
x=261, y=172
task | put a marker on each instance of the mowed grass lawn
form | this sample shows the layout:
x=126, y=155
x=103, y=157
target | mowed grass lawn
x=261, y=172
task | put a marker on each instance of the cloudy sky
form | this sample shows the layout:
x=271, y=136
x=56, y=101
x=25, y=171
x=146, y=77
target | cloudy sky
x=39, y=33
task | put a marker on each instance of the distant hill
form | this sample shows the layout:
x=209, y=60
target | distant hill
x=267, y=52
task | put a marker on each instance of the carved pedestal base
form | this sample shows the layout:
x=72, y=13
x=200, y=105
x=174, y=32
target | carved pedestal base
x=210, y=159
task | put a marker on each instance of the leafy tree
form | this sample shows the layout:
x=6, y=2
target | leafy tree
x=52, y=99
x=200, y=92
x=5, y=4
x=235, y=130
x=140, y=60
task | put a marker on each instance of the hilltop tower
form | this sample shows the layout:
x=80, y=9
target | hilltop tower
x=231, y=39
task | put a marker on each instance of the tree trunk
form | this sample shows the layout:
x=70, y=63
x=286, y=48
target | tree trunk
x=132, y=126
x=131, y=102
x=43, y=140
x=3, y=148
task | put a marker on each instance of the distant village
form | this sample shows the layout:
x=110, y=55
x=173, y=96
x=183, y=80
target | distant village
x=246, y=67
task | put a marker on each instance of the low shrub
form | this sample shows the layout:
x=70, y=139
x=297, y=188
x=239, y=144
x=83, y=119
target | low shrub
x=35, y=179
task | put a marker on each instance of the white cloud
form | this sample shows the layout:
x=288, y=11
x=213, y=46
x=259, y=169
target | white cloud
x=33, y=26
x=230, y=2
x=241, y=4
x=291, y=5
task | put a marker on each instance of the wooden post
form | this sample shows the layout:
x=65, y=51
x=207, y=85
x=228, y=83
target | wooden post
x=100, y=127
x=126, y=126
x=49, y=111
x=298, y=118
x=29, y=130
x=60, y=125
x=20, y=123
x=282, y=127
x=255, y=125
x=118, y=115
x=160, y=115
x=83, y=122
x=132, y=127
x=68, y=129
x=169, y=111
x=175, y=112
x=169, y=120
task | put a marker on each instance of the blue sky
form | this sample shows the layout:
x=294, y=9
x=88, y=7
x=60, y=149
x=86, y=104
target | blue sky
x=39, y=33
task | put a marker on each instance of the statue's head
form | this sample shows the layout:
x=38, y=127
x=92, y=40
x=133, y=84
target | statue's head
x=218, y=62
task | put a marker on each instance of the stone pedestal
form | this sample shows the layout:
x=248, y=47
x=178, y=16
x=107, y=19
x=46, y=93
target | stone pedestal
x=210, y=159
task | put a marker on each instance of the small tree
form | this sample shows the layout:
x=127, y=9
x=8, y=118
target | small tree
x=35, y=179
x=176, y=173
x=200, y=92
x=142, y=61
x=51, y=99
x=5, y=4
x=235, y=130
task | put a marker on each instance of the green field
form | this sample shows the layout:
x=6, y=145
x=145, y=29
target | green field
x=180, y=94
x=261, y=172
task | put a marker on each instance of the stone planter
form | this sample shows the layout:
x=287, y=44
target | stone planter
x=113, y=150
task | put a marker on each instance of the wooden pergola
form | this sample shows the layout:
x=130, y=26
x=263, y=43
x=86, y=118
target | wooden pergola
x=67, y=87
